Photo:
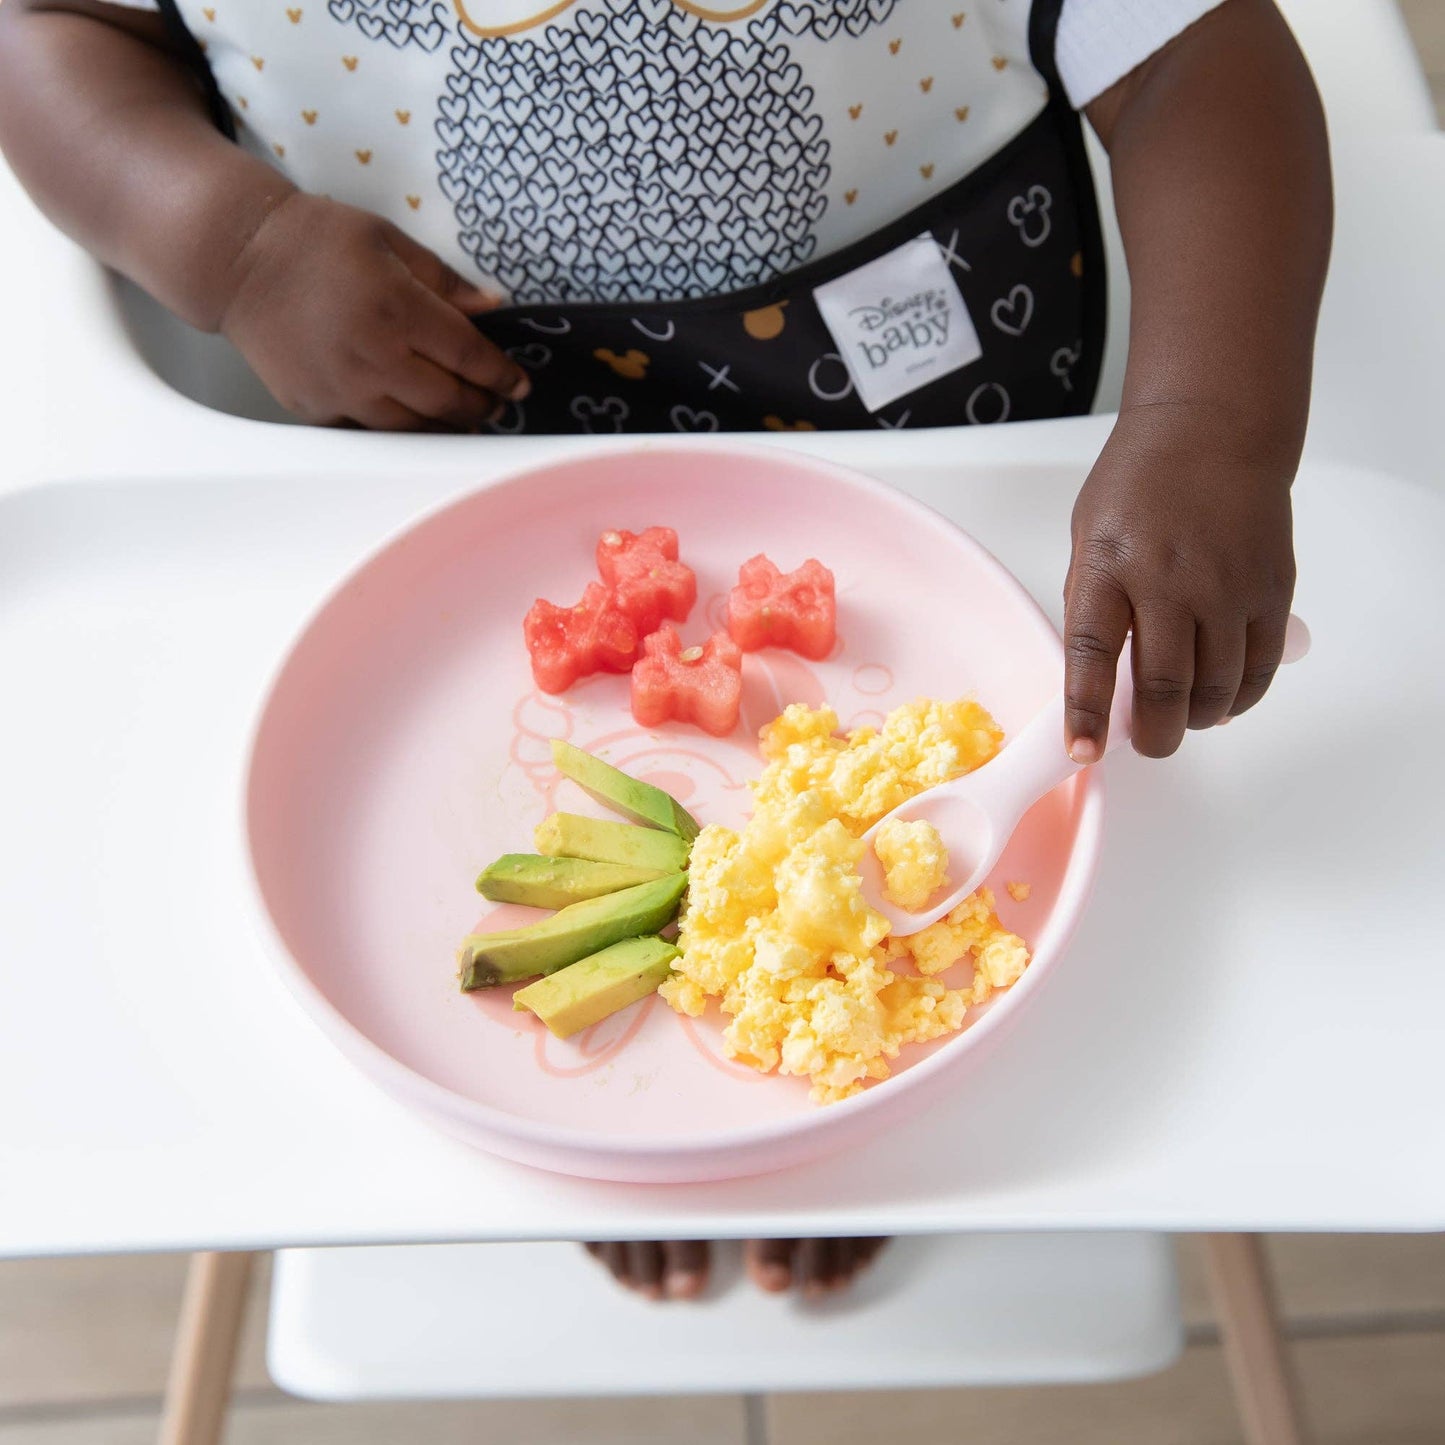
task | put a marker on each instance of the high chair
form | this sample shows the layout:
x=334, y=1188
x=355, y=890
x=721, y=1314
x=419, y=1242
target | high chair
x=407, y=1322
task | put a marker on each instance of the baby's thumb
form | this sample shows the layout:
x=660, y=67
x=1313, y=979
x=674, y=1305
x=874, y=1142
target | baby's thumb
x=469, y=297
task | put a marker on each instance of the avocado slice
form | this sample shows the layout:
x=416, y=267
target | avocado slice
x=637, y=801
x=569, y=835
x=487, y=959
x=585, y=992
x=557, y=882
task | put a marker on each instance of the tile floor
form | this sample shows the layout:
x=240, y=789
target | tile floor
x=1426, y=19
x=84, y=1344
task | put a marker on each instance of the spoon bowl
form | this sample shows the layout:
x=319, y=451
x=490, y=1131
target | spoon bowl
x=976, y=814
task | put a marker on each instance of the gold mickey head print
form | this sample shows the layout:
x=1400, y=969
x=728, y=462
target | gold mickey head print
x=631, y=364
x=350, y=61
x=855, y=111
x=767, y=321
x=776, y=423
x=294, y=16
x=961, y=113
x=1076, y=263
x=890, y=136
x=894, y=46
x=258, y=62
x=414, y=202
x=926, y=84
x=850, y=196
x=309, y=116
x=278, y=148
x=959, y=19
x=926, y=172
x=364, y=157
x=209, y=13
x=1000, y=61
x=403, y=117
x=512, y=17
x=243, y=102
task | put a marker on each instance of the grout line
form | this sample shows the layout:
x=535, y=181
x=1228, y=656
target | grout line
x=755, y=1419
x=755, y=1407
x=1405, y=1322
x=117, y=1407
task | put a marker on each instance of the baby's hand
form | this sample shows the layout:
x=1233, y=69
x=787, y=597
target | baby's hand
x=1187, y=540
x=345, y=318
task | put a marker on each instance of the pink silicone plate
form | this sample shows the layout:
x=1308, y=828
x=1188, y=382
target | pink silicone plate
x=403, y=746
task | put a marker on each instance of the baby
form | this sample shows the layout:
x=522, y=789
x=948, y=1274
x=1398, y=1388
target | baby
x=704, y=215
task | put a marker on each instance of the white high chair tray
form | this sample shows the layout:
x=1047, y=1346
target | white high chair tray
x=473, y=1321
x=1247, y=1033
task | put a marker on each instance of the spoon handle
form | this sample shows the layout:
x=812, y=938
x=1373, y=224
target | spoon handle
x=1038, y=762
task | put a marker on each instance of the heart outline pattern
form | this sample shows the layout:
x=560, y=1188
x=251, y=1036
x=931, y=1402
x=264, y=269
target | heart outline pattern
x=636, y=152
x=1011, y=314
x=1018, y=377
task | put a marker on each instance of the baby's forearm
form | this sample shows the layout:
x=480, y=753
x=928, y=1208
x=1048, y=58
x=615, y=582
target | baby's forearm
x=1182, y=533
x=111, y=137
x=1222, y=187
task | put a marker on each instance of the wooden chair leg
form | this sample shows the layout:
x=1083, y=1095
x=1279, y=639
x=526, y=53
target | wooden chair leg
x=1254, y=1347
x=204, y=1362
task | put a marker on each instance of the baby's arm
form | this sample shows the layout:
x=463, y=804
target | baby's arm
x=1183, y=529
x=341, y=315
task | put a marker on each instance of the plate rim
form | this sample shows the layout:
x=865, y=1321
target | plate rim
x=469, y=1116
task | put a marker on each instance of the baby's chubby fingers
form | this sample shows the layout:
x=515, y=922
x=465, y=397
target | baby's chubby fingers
x=1219, y=658
x=442, y=330
x=442, y=395
x=440, y=279
x=386, y=413
x=445, y=336
x=1263, y=651
x=1096, y=625
x=1163, y=666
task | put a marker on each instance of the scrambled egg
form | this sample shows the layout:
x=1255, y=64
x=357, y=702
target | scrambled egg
x=776, y=929
x=1019, y=892
x=915, y=862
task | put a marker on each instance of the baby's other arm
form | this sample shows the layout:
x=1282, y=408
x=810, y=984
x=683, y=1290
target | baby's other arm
x=1183, y=529
x=340, y=314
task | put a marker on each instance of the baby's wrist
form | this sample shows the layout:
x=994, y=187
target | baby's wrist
x=237, y=226
x=1265, y=440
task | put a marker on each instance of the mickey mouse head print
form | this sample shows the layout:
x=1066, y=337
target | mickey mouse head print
x=1028, y=214
x=621, y=150
x=512, y=17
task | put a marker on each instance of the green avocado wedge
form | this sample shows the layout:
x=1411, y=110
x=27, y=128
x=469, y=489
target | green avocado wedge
x=542, y=882
x=489, y=959
x=586, y=992
x=637, y=801
x=570, y=835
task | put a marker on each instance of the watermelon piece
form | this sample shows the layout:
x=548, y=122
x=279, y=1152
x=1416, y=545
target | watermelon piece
x=567, y=643
x=698, y=685
x=646, y=578
x=797, y=610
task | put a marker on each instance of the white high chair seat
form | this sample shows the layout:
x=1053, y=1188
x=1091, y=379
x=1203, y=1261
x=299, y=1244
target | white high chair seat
x=529, y=1320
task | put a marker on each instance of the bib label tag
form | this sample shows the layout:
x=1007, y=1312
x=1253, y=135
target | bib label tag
x=899, y=322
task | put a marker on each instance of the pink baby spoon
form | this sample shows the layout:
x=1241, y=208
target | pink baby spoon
x=976, y=814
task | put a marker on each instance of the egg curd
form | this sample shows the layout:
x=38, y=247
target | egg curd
x=915, y=862
x=775, y=926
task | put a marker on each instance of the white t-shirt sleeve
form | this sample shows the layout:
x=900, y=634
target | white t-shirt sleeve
x=1101, y=41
